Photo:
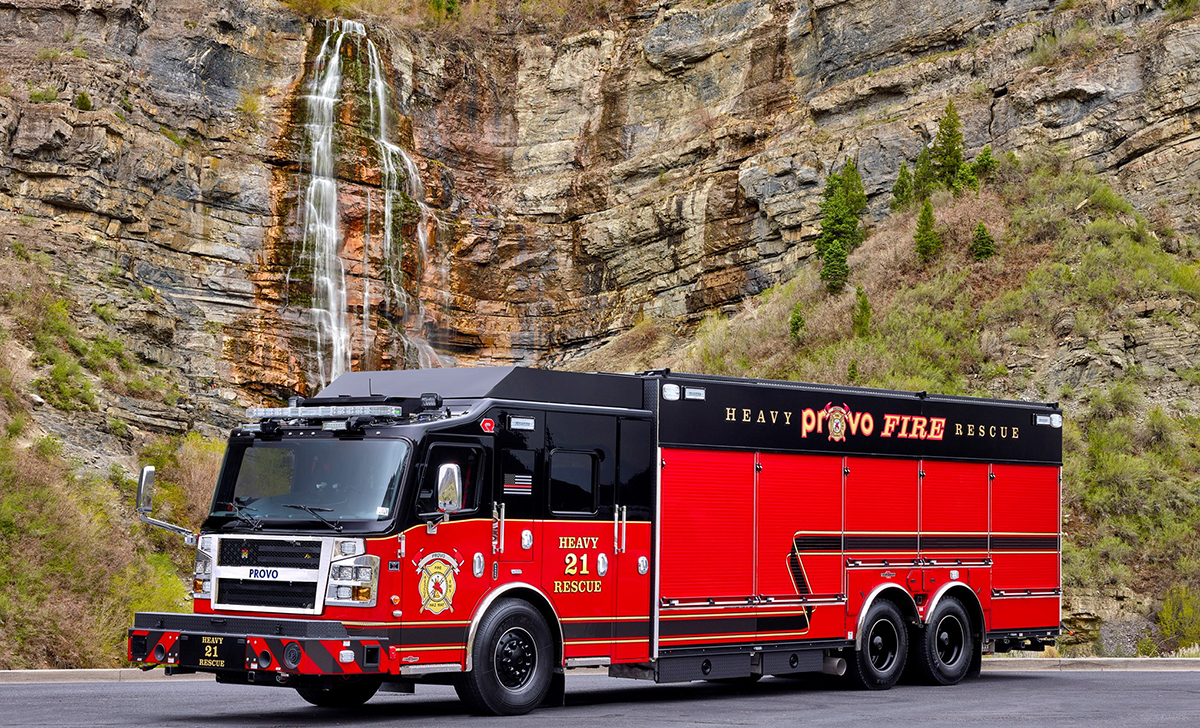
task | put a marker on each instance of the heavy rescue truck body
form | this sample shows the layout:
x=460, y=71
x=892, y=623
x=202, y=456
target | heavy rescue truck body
x=492, y=527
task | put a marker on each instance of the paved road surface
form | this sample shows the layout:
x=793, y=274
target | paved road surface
x=1041, y=698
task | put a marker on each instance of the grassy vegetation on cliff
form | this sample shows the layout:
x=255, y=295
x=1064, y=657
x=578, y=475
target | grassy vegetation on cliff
x=74, y=563
x=1076, y=274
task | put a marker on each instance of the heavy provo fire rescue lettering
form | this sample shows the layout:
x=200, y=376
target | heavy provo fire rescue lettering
x=839, y=420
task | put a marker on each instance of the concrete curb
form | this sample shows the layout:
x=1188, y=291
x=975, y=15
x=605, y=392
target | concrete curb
x=9, y=677
x=990, y=664
x=1091, y=664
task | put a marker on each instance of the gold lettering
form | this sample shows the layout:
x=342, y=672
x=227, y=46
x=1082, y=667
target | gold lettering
x=937, y=428
x=745, y=415
x=774, y=416
x=889, y=425
x=1003, y=432
x=1016, y=432
x=904, y=426
x=852, y=419
x=761, y=419
x=821, y=415
x=867, y=424
x=787, y=418
x=918, y=428
x=970, y=429
x=563, y=542
x=808, y=422
x=731, y=414
x=957, y=429
x=992, y=431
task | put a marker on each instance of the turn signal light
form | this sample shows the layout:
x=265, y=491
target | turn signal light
x=197, y=585
x=362, y=593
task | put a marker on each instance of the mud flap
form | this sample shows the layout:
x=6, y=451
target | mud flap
x=556, y=696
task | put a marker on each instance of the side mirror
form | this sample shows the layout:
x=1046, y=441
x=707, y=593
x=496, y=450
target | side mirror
x=449, y=488
x=145, y=504
x=145, y=491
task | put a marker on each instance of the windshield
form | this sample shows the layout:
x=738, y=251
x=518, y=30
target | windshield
x=330, y=479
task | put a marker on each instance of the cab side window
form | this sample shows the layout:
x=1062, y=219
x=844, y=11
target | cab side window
x=469, y=460
x=572, y=482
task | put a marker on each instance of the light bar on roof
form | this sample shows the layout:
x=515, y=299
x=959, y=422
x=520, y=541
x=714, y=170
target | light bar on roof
x=319, y=413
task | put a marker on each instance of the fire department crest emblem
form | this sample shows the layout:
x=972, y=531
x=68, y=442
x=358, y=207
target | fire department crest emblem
x=437, y=584
x=836, y=417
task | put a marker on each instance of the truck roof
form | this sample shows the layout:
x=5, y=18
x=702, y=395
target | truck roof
x=511, y=383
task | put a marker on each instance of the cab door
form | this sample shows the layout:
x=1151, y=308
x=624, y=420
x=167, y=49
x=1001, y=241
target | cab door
x=579, y=533
x=633, y=538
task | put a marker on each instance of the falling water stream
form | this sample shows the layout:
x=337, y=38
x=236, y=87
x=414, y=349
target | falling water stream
x=322, y=232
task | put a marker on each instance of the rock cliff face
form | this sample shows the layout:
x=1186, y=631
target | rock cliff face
x=666, y=165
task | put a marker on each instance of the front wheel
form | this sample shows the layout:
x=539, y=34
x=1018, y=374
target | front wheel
x=348, y=693
x=511, y=661
x=942, y=652
x=878, y=665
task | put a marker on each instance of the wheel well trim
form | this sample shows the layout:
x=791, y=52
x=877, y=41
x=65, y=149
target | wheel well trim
x=883, y=589
x=555, y=627
x=957, y=586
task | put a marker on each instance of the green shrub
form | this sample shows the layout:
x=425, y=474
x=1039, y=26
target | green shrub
x=796, y=323
x=43, y=96
x=83, y=102
x=1182, y=10
x=1179, y=618
x=860, y=318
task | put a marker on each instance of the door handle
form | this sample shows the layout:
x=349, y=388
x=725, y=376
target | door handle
x=624, y=525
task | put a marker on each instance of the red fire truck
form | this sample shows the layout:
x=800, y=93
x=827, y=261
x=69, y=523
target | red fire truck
x=493, y=527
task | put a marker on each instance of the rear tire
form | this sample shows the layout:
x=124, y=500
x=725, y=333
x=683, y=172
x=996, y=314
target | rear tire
x=511, y=661
x=350, y=693
x=942, y=653
x=880, y=662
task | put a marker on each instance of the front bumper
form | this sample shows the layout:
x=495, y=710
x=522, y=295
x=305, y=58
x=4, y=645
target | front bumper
x=218, y=644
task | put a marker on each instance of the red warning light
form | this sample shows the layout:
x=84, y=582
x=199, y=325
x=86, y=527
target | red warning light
x=488, y=426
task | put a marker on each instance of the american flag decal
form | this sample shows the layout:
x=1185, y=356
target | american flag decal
x=518, y=484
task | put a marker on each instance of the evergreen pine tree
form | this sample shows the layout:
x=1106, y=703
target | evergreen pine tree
x=947, y=152
x=839, y=220
x=834, y=270
x=860, y=318
x=924, y=179
x=983, y=245
x=852, y=187
x=902, y=191
x=832, y=200
x=927, y=239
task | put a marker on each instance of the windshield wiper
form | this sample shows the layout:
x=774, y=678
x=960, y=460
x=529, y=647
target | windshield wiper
x=316, y=511
x=238, y=508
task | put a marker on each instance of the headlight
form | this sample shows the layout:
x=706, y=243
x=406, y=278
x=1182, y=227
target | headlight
x=343, y=573
x=347, y=548
x=201, y=583
x=344, y=592
x=364, y=573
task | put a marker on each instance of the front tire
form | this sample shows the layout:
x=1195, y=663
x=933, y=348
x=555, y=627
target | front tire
x=942, y=653
x=511, y=661
x=878, y=665
x=350, y=693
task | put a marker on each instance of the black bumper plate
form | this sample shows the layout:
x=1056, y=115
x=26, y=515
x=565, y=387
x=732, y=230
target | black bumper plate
x=212, y=652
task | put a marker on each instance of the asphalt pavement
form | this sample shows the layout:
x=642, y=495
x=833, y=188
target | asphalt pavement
x=1074, y=698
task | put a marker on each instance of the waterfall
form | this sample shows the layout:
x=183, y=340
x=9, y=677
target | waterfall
x=391, y=158
x=321, y=233
x=322, y=236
